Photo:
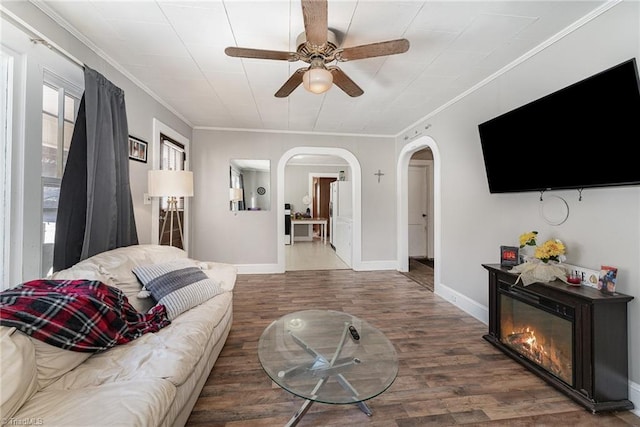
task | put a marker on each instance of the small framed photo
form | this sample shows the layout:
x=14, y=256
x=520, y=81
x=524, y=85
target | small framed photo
x=508, y=256
x=137, y=149
x=607, y=279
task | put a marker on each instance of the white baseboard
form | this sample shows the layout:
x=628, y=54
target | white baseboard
x=376, y=265
x=464, y=303
x=258, y=268
x=273, y=268
x=634, y=397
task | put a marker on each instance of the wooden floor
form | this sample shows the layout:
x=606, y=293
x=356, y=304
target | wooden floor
x=420, y=273
x=449, y=375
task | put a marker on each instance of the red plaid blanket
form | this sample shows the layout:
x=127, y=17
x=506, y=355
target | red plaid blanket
x=78, y=315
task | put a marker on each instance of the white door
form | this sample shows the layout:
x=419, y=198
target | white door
x=333, y=205
x=417, y=194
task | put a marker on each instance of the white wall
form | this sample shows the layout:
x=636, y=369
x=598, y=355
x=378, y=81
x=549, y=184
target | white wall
x=250, y=238
x=475, y=223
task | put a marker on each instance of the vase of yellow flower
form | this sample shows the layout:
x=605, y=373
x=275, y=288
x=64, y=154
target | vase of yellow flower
x=545, y=264
x=527, y=245
x=551, y=250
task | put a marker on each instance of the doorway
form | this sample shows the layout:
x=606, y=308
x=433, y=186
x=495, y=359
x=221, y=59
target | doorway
x=162, y=133
x=433, y=224
x=417, y=193
x=172, y=157
x=354, y=234
x=420, y=239
x=420, y=206
x=320, y=201
x=308, y=181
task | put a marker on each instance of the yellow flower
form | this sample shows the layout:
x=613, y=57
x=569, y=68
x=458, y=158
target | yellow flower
x=528, y=239
x=552, y=249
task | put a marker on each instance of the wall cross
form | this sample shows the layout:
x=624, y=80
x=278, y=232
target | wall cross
x=379, y=175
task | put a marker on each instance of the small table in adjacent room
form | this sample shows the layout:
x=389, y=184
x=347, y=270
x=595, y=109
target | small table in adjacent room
x=329, y=357
x=322, y=222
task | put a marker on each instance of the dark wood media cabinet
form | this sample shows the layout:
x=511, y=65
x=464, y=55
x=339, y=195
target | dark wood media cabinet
x=600, y=358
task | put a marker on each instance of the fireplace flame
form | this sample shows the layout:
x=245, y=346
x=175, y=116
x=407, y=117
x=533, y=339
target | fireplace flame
x=525, y=342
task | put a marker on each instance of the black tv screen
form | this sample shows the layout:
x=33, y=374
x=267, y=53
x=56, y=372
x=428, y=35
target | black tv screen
x=585, y=135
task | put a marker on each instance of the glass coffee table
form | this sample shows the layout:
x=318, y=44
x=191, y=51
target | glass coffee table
x=329, y=357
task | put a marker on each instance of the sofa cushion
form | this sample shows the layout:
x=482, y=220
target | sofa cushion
x=225, y=274
x=18, y=367
x=53, y=362
x=139, y=403
x=170, y=353
x=114, y=267
x=178, y=285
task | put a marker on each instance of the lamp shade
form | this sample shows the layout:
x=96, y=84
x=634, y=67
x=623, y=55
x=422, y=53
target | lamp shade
x=170, y=183
x=317, y=80
x=235, y=194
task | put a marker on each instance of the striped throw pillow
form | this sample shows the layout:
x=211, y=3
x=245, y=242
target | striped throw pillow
x=178, y=285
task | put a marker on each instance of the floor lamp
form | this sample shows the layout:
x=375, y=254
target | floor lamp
x=172, y=184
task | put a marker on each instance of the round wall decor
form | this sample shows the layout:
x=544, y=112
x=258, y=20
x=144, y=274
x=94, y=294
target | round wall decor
x=554, y=210
x=261, y=191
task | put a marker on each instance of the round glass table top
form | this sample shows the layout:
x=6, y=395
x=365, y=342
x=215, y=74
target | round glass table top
x=328, y=356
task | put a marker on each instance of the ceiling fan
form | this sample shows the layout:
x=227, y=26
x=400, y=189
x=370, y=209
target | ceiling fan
x=318, y=47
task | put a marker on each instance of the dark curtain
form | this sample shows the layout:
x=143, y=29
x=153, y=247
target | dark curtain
x=95, y=209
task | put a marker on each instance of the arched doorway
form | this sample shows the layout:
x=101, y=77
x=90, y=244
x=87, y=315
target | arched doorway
x=403, y=203
x=356, y=238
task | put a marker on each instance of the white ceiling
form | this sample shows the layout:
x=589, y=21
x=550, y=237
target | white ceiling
x=175, y=49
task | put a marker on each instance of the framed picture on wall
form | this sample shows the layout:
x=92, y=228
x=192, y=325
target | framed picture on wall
x=137, y=149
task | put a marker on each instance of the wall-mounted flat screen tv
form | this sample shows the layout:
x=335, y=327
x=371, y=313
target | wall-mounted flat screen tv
x=585, y=135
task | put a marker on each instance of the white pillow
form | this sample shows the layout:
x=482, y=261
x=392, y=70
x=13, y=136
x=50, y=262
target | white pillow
x=18, y=367
x=178, y=285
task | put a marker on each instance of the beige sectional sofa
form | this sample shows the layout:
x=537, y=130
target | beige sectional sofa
x=153, y=380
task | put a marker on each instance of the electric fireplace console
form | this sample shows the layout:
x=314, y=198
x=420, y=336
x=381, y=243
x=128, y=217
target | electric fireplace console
x=575, y=338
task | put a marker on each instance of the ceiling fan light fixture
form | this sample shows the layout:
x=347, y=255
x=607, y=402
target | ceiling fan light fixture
x=318, y=46
x=317, y=80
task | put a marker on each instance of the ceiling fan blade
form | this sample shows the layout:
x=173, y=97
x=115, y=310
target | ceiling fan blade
x=343, y=81
x=315, y=21
x=243, y=52
x=290, y=85
x=372, y=50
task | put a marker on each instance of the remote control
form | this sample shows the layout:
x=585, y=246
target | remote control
x=354, y=333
